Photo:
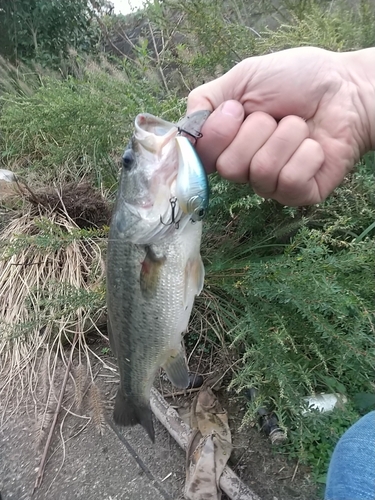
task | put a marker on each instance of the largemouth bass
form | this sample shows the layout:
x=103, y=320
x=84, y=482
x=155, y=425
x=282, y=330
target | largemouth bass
x=154, y=267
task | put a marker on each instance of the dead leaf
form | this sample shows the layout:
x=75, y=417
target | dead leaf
x=209, y=447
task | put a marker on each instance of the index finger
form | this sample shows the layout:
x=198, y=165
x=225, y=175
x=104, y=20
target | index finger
x=218, y=132
x=211, y=95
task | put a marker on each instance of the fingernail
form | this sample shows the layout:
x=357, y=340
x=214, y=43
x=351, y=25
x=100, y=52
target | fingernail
x=233, y=109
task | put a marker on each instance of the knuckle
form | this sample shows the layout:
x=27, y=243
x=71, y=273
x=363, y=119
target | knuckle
x=293, y=177
x=195, y=94
x=293, y=121
x=315, y=150
x=288, y=181
x=231, y=168
x=262, y=165
x=263, y=120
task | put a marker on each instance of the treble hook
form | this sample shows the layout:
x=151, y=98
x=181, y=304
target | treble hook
x=173, y=202
x=196, y=137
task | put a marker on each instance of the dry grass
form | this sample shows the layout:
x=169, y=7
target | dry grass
x=97, y=407
x=51, y=286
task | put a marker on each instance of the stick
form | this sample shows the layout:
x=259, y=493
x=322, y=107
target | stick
x=158, y=62
x=185, y=392
x=42, y=465
x=295, y=471
x=230, y=483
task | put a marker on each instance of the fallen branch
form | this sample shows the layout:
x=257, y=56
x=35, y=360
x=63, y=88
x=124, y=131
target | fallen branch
x=42, y=465
x=230, y=483
x=185, y=392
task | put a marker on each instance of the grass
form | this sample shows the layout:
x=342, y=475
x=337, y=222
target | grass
x=288, y=292
x=52, y=284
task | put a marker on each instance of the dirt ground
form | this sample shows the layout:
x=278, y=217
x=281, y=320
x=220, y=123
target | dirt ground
x=269, y=474
x=83, y=464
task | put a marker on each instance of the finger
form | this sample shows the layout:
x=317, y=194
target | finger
x=297, y=183
x=229, y=86
x=203, y=98
x=233, y=163
x=268, y=162
x=218, y=132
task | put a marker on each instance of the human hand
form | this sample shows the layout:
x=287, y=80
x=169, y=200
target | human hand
x=291, y=123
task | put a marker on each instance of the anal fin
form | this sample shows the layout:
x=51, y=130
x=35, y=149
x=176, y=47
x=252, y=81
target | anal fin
x=176, y=369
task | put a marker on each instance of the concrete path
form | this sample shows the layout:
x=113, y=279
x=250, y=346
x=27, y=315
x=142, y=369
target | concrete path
x=113, y=466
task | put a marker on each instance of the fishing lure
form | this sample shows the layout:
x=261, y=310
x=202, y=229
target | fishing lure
x=191, y=183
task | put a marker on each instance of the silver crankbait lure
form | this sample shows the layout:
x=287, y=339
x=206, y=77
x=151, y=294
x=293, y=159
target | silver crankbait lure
x=191, y=183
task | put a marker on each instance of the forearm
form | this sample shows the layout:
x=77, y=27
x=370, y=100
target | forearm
x=360, y=69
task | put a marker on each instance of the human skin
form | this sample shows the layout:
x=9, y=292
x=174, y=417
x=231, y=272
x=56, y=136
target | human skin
x=291, y=123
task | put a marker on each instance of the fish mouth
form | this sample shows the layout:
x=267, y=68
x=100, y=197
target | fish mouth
x=153, y=133
x=154, y=141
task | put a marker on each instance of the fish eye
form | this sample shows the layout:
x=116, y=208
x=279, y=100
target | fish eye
x=201, y=213
x=128, y=159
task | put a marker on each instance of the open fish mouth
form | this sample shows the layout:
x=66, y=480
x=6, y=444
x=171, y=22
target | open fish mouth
x=152, y=133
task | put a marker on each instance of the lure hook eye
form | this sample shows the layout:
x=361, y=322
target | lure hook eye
x=195, y=136
x=198, y=214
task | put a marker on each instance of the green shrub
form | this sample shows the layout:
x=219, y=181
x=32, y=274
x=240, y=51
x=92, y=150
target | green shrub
x=223, y=33
x=71, y=128
x=299, y=283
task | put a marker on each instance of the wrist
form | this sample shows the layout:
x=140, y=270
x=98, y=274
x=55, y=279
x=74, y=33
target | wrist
x=359, y=68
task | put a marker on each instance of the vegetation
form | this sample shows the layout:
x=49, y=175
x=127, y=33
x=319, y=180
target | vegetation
x=291, y=289
x=45, y=30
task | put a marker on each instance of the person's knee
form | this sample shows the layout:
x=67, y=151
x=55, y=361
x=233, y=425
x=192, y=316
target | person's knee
x=351, y=474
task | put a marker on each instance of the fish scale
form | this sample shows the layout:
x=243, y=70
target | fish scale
x=148, y=326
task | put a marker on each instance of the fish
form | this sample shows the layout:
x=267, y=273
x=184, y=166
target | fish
x=154, y=267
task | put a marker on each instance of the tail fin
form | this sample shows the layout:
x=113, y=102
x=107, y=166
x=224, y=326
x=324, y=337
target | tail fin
x=129, y=412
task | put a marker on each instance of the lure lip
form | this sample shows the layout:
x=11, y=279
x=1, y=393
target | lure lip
x=191, y=182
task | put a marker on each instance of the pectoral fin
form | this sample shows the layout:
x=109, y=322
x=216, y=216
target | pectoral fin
x=176, y=369
x=150, y=273
x=194, y=279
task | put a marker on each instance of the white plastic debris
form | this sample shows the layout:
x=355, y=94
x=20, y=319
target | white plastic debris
x=7, y=175
x=324, y=402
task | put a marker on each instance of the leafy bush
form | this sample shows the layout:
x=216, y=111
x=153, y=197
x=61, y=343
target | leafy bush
x=313, y=442
x=300, y=284
x=223, y=33
x=44, y=30
x=77, y=126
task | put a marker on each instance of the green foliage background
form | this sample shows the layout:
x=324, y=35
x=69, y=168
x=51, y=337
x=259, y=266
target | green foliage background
x=293, y=288
x=45, y=30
